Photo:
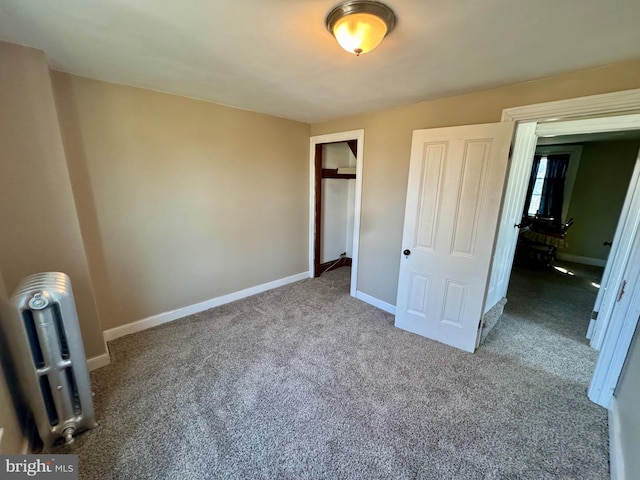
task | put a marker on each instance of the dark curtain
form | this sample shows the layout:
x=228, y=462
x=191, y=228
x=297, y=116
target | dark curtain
x=553, y=187
x=532, y=181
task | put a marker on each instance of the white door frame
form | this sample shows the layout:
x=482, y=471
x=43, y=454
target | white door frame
x=537, y=120
x=331, y=138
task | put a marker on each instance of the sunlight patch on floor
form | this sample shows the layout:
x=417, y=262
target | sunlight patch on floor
x=563, y=270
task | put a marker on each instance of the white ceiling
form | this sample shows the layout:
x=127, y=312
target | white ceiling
x=275, y=56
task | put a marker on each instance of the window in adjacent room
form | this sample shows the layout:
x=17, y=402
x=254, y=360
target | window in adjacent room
x=551, y=182
x=536, y=192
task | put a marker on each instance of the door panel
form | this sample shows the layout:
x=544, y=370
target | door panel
x=456, y=177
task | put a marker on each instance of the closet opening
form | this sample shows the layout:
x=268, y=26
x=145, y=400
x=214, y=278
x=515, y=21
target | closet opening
x=335, y=188
x=335, y=200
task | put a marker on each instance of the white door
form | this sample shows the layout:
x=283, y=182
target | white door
x=456, y=180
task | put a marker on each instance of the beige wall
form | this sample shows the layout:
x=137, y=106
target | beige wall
x=40, y=229
x=598, y=194
x=12, y=438
x=627, y=395
x=180, y=200
x=388, y=142
x=13, y=441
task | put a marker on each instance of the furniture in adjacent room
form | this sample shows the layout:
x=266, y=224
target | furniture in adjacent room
x=539, y=241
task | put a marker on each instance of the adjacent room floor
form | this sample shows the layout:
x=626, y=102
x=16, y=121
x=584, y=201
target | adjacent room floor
x=307, y=382
x=546, y=319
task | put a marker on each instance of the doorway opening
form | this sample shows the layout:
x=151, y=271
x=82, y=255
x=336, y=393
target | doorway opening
x=335, y=200
x=564, y=243
x=615, y=322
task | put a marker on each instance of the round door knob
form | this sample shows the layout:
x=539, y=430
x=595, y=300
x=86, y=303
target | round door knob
x=407, y=252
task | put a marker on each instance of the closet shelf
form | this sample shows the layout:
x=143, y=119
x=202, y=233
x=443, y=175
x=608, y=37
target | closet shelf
x=333, y=173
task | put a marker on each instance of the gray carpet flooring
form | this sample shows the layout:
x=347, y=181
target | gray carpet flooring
x=306, y=382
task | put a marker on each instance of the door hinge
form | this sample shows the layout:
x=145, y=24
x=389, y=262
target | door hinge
x=594, y=315
x=621, y=293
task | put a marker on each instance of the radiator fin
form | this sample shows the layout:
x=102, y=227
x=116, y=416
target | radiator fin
x=32, y=338
x=49, y=404
x=62, y=336
x=73, y=391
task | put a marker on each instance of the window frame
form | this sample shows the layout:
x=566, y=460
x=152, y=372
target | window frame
x=574, y=151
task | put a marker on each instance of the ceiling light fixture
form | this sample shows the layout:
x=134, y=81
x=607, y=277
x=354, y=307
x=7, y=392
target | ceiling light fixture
x=360, y=25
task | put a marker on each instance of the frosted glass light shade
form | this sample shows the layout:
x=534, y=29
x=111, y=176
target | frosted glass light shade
x=360, y=32
x=360, y=25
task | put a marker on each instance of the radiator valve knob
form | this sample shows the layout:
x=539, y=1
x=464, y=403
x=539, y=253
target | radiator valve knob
x=68, y=435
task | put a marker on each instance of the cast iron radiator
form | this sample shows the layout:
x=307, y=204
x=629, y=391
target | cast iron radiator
x=46, y=347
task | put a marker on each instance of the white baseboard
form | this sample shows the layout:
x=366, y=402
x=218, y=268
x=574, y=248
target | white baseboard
x=596, y=262
x=159, y=319
x=100, y=361
x=616, y=459
x=387, y=307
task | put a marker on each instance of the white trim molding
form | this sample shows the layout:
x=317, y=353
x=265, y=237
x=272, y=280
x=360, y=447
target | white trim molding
x=100, y=361
x=606, y=104
x=170, y=316
x=357, y=135
x=387, y=307
x=617, y=123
